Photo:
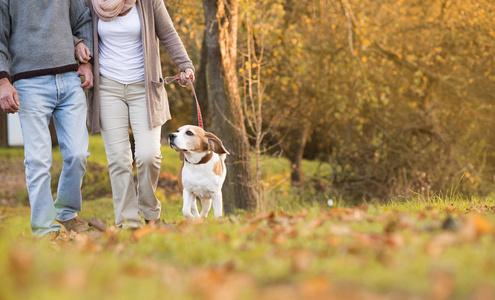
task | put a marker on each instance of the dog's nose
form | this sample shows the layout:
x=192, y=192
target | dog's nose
x=171, y=136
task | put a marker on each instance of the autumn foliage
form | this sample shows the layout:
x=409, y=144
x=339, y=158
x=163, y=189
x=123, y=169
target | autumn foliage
x=395, y=95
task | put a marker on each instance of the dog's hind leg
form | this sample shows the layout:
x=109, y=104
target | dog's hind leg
x=194, y=207
x=206, y=203
x=188, y=199
x=217, y=204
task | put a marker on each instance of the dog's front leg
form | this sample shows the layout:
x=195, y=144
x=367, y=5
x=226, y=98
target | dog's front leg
x=188, y=199
x=217, y=204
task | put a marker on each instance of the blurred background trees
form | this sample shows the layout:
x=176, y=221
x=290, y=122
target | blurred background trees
x=395, y=95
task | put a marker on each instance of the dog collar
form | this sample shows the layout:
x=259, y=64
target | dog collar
x=203, y=160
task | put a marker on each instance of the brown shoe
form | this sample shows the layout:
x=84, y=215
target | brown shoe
x=77, y=225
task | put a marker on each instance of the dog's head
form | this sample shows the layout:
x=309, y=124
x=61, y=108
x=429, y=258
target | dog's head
x=190, y=138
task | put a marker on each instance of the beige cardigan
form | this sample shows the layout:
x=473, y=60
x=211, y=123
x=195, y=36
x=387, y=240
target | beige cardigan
x=156, y=26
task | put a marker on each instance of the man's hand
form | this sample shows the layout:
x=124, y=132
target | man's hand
x=82, y=53
x=188, y=73
x=9, y=100
x=85, y=70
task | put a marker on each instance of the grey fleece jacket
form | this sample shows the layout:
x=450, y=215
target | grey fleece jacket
x=36, y=36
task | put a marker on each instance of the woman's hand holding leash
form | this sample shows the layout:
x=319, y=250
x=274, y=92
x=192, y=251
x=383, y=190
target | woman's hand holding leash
x=187, y=74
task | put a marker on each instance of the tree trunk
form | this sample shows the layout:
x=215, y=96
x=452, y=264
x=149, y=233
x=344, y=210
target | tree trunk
x=296, y=159
x=225, y=102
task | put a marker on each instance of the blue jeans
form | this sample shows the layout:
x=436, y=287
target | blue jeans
x=41, y=97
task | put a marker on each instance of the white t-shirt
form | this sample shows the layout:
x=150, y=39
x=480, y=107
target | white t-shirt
x=121, y=49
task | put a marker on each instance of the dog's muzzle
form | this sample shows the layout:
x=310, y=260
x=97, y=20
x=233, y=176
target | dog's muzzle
x=171, y=138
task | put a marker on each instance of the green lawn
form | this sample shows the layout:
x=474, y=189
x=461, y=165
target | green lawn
x=435, y=248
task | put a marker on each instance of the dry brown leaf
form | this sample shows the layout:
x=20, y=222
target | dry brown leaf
x=340, y=211
x=315, y=223
x=301, y=215
x=278, y=239
x=395, y=240
x=333, y=241
x=142, y=232
x=482, y=225
x=483, y=292
x=220, y=283
x=301, y=260
x=20, y=262
x=263, y=216
x=442, y=285
x=221, y=237
x=279, y=292
x=141, y=271
x=366, y=240
x=354, y=216
x=340, y=230
x=441, y=241
x=318, y=287
x=76, y=278
x=281, y=214
x=362, y=207
x=87, y=243
x=248, y=229
x=98, y=224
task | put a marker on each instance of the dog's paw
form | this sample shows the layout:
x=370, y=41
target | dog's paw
x=188, y=216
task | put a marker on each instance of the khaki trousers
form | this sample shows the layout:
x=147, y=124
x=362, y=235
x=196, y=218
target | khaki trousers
x=122, y=105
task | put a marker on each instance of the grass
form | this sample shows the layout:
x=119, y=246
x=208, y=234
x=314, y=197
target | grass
x=398, y=250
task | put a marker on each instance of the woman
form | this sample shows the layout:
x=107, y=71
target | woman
x=129, y=90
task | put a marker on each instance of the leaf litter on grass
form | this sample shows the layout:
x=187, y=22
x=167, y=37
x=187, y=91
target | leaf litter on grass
x=342, y=253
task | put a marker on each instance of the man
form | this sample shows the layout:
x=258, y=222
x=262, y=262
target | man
x=39, y=78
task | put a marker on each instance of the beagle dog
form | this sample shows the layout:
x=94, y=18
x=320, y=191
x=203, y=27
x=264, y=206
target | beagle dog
x=202, y=172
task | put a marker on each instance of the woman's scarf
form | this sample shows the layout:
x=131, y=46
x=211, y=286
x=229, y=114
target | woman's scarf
x=107, y=10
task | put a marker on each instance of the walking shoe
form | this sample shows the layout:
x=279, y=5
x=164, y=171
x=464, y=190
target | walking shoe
x=77, y=225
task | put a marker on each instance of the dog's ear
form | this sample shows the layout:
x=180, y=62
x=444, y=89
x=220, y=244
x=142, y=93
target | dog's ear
x=215, y=144
x=181, y=155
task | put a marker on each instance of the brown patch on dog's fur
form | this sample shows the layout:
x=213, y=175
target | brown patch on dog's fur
x=218, y=168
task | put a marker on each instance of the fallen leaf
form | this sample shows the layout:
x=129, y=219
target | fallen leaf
x=395, y=240
x=340, y=230
x=141, y=232
x=481, y=224
x=221, y=237
x=301, y=260
x=318, y=287
x=98, y=224
x=263, y=216
x=441, y=241
x=442, y=285
x=315, y=223
x=340, y=211
x=20, y=262
x=248, y=229
x=74, y=279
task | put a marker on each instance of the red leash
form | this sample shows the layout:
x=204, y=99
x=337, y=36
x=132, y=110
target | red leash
x=169, y=80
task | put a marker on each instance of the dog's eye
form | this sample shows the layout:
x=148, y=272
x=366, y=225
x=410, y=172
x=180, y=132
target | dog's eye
x=189, y=132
